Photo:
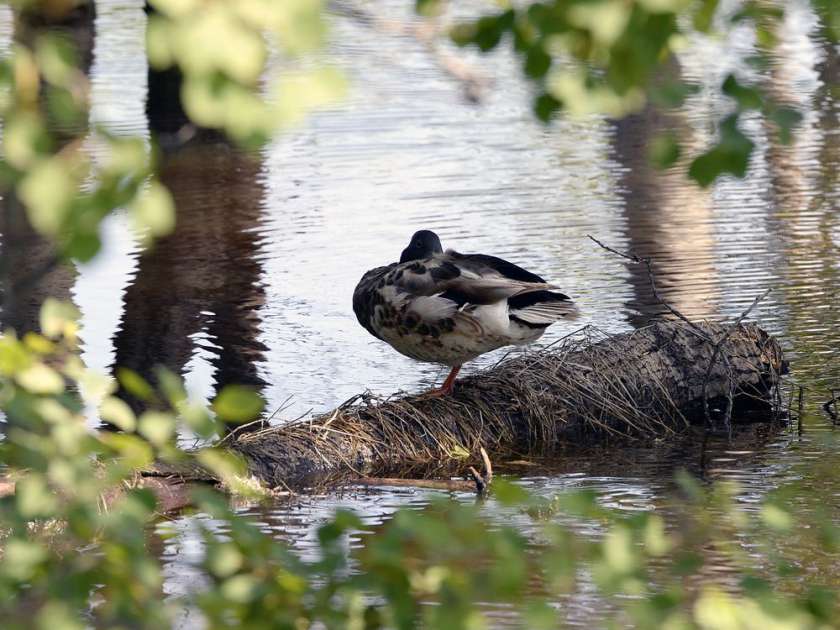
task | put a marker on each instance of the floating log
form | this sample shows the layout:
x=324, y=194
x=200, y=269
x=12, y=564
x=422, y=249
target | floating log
x=651, y=382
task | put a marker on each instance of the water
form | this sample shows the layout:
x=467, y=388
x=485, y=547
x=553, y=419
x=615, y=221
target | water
x=255, y=284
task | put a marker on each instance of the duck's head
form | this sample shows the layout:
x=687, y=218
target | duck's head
x=424, y=244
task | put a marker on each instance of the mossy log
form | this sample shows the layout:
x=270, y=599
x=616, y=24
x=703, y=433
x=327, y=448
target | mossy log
x=646, y=383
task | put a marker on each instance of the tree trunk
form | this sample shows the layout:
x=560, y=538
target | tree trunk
x=645, y=383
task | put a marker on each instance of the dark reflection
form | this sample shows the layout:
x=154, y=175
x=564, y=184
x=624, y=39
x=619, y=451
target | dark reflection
x=200, y=287
x=669, y=219
x=30, y=270
x=805, y=187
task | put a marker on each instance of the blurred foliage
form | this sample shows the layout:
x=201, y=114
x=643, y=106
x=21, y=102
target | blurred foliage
x=611, y=57
x=223, y=48
x=74, y=531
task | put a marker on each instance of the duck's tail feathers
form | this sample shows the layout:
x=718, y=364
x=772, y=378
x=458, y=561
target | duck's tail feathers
x=542, y=308
x=477, y=290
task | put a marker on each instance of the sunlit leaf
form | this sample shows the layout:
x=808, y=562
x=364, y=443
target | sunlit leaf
x=776, y=518
x=157, y=427
x=115, y=411
x=21, y=558
x=57, y=60
x=606, y=20
x=299, y=93
x=154, y=210
x=38, y=343
x=656, y=539
x=47, y=190
x=24, y=139
x=134, y=451
x=34, y=498
x=233, y=472
x=224, y=559
x=240, y=589
x=40, y=379
x=59, y=318
x=237, y=404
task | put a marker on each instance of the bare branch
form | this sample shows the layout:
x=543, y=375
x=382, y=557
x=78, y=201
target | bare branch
x=716, y=352
x=647, y=263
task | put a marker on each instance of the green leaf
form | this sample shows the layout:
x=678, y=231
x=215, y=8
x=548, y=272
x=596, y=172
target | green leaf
x=428, y=8
x=157, y=427
x=224, y=559
x=488, y=33
x=57, y=59
x=236, y=404
x=134, y=451
x=40, y=379
x=115, y=411
x=34, y=498
x=746, y=97
x=25, y=139
x=59, y=318
x=135, y=384
x=83, y=246
x=240, y=589
x=664, y=150
x=673, y=93
x=705, y=14
x=59, y=615
x=171, y=385
x=776, y=518
x=47, y=191
x=730, y=156
x=154, y=210
x=829, y=12
x=508, y=493
x=537, y=62
x=545, y=106
x=21, y=559
x=786, y=118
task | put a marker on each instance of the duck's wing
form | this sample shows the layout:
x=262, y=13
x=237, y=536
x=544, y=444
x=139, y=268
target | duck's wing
x=474, y=279
x=531, y=300
x=483, y=264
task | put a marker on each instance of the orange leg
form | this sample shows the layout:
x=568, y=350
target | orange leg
x=448, y=384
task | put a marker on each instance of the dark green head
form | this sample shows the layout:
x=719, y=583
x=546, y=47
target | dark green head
x=424, y=244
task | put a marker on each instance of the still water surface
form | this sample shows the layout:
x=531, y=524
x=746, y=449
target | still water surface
x=255, y=284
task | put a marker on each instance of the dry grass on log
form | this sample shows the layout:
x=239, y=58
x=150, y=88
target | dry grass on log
x=645, y=383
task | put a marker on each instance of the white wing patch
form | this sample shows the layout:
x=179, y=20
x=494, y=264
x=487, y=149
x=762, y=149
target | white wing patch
x=547, y=312
x=432, y=308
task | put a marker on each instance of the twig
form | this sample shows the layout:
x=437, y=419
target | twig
x=647, y=263
x=482, y=482
x=727, y=420
x=832, y=413
x=242, y=428
x=718, y=345
x=790, y=404
x=799, y=413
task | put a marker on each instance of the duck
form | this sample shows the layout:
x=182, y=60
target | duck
x=448, y=308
